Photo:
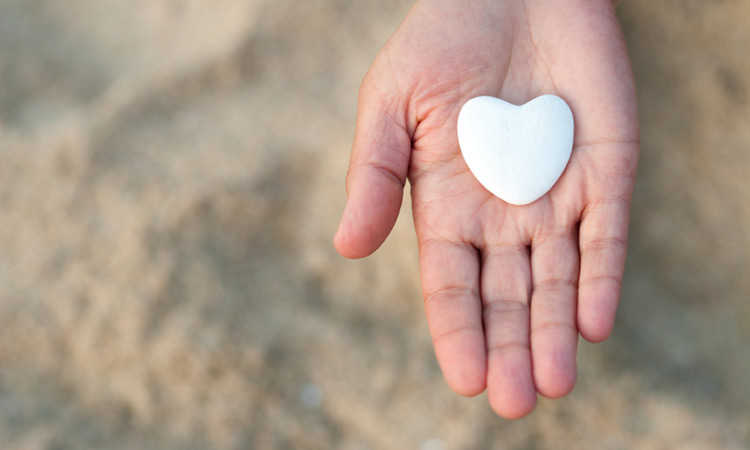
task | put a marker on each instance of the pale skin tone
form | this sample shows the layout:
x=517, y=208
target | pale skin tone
x=507, y=289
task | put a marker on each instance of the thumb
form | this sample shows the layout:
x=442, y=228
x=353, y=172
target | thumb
x=377, y=171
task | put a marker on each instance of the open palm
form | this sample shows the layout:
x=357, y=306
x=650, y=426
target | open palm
x=507, y=288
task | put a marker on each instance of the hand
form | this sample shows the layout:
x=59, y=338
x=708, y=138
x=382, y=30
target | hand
x=507, y=289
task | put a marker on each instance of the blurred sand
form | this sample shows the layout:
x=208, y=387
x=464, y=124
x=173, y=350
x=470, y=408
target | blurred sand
x=166, y=273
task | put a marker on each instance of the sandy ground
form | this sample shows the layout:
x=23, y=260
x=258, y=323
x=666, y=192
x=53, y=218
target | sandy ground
x=166, y=274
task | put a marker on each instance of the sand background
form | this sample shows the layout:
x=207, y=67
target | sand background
x=166, y=274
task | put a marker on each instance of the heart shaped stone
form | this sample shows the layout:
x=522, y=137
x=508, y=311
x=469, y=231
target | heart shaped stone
x=516, y=152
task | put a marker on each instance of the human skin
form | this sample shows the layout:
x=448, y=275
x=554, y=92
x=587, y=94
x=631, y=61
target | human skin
x=507, y=289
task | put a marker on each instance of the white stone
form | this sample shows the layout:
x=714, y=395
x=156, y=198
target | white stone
x=516, y=152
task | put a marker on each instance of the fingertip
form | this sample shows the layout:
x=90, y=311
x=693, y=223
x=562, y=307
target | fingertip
x=511, y=389
x=369, y=215
x=343, y=242
x=596, y=312
x=596, y=336
x=515, y=407
x=467, y=385
x=351, y=249
x=464, y=365
x=468, y=382
x=559, y=385
x=595, y=329
x=555, y=370
x=361, y=232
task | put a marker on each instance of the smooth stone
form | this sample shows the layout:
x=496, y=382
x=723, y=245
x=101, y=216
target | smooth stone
x=517, y=152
